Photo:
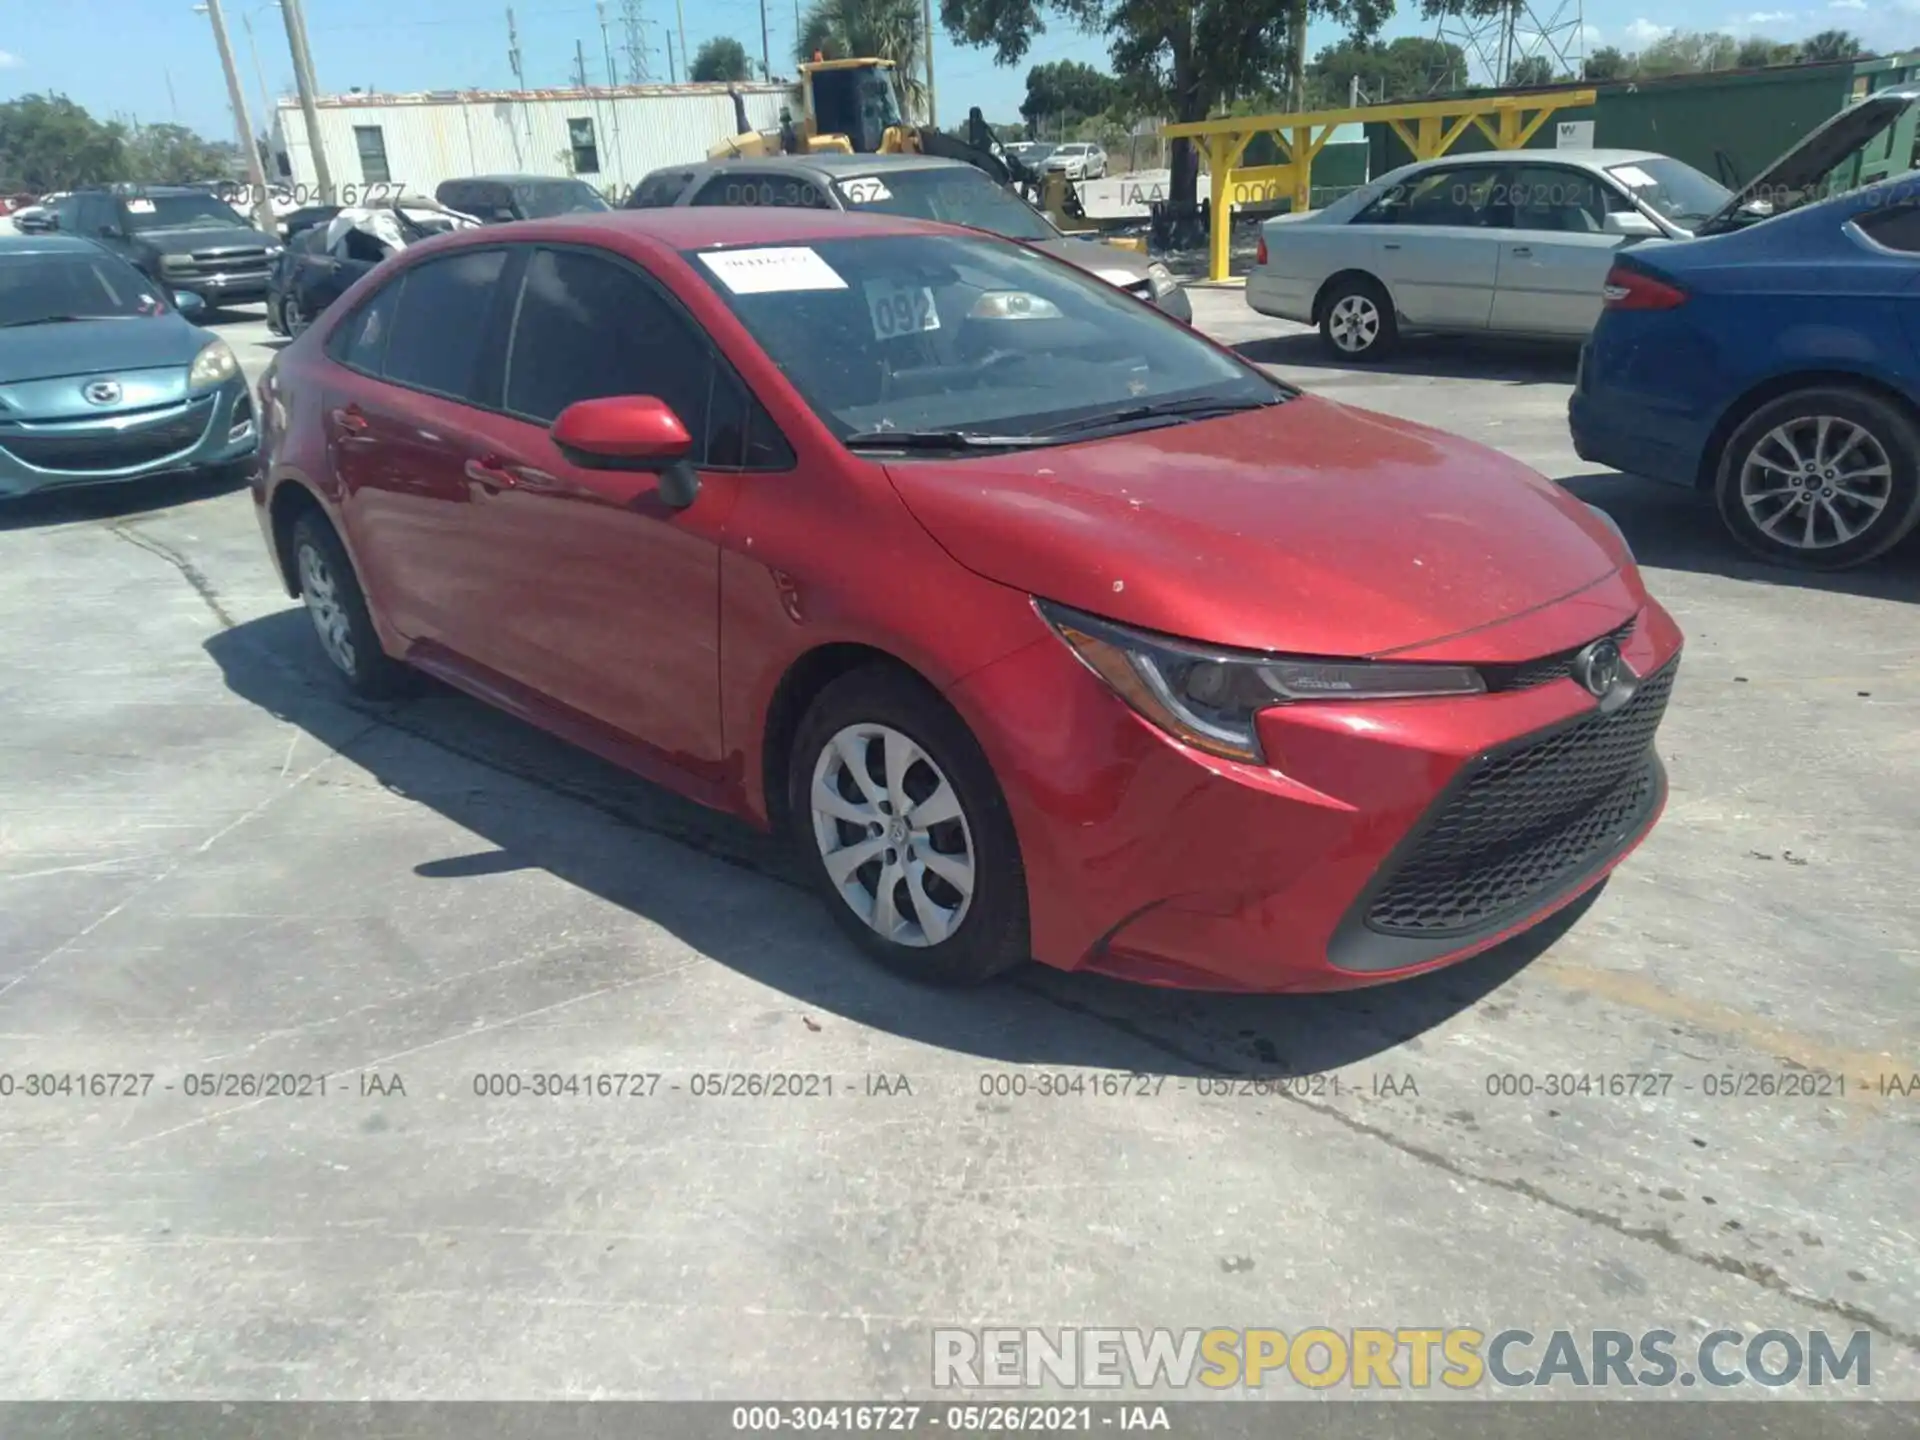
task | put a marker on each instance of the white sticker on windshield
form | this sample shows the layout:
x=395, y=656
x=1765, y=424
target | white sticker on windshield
x=772, y=271
x=139, y=207
x=1633, y=177
x=899, y=310
x=868, y=190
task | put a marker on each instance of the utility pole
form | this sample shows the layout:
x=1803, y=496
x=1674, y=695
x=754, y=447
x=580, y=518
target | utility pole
x=673, y=75
x=606, y=44
x=303, y=81
x=680, y=14
x=766, y=56
x=926, y=39
x=173, y=103
x=266, y=96
x=262, y=206
x=579, y=65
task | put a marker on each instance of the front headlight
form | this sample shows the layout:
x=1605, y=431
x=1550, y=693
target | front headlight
x=176, y=262
x=273, y=251
x=1208, y=698
x=215, y=365
x=1161, y=279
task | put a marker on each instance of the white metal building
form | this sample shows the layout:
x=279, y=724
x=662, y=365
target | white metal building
x=608, y=136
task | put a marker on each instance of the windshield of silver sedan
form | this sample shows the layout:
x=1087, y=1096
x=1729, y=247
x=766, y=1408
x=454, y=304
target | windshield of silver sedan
x=937, y=342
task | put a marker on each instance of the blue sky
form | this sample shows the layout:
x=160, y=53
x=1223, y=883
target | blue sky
x=155, y=60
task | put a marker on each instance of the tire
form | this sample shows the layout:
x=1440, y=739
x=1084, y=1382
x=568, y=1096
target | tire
x=1800, y=514
x=293, y=320
x=335, y=603
x=1357, y=320
x=966, y=933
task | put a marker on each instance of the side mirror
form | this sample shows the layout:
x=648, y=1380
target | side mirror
x=109, y=232
x=1630, y=223
x=630, y=432
x=188, y=303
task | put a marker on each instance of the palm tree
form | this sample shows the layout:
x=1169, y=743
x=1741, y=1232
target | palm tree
x=883, y=29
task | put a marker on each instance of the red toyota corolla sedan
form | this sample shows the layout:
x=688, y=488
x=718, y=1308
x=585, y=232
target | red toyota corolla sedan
x=1045, y=626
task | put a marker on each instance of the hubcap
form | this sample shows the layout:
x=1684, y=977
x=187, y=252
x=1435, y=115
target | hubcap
x=292, y=316
x=322, y=594
x=1816, y=482
x=1354, y=323
x=891, y=832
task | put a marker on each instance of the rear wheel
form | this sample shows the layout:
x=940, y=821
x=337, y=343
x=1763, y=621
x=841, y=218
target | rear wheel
x=906, y=831
x=1357, y=320
x=338, y=609
x=1821, y=479
x=293, y=319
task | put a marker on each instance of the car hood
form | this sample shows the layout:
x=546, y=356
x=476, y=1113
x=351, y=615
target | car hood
x=204, y=237
x=103, y=347
x=1807, y=163
x=1109, y=262
x=1377, y=535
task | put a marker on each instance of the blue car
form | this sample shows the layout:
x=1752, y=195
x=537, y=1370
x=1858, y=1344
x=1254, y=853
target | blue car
x=103, y=378
x=1775, y=365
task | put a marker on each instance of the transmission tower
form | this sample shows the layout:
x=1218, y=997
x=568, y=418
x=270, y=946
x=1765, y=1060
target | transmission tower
x=1497, y=42
x=633, y=24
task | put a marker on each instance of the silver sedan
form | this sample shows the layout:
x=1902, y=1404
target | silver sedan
x=1513, y=242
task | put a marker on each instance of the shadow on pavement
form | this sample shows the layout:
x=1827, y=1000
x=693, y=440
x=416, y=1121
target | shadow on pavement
x=1671, y=528
x=771, y=927
x=1511, y=362
x=120, y=499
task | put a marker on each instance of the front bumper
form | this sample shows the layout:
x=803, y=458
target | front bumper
x=219, y=290
x=208, y=430
x=1150, y=862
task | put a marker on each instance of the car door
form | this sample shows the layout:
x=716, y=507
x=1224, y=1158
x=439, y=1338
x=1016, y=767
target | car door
x=618, y=619
x=326, y=272
x=1554, y=259
x=1435, y=241
x=417, y=361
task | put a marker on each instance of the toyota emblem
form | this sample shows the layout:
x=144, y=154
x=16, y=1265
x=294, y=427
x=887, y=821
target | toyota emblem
x=1598, y=666
x=102, y=392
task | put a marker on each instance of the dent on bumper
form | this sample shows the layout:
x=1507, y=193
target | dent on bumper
x=231, y=434
x=1154, y=863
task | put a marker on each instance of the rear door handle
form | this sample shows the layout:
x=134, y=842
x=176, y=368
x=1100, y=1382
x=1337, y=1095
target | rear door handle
x=1390, y=245
x=491, y=474
x=1525, y=252
x=350, y=419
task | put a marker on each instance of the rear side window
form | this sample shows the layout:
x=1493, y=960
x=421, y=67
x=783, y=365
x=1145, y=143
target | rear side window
x=589, y=327
x=748, y=187
x=361, y=343
x=660, y=189
x=440, y=321
x=1897, y=227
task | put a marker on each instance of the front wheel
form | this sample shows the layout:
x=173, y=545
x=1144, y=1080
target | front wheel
x=906, y=831
x=1357, y=320
x=338, y=609
x=1821, y=479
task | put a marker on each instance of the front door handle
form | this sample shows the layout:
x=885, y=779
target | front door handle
x=491, y=474
x=350, y=419
x=1524, y=252
x=1390, y=245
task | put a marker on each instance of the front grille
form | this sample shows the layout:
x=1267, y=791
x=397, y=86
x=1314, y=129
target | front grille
x=247, y=262
x=1526, y=674
x=1525, y=820
x=97, y=450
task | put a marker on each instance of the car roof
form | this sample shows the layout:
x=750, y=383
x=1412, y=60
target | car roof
x=700, y=227
x=837, y=162
x=46, y=245
x=512, y=180
x=1592, y=159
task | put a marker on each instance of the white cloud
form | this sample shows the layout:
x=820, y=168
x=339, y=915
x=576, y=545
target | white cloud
x=1645, y=32
x=1768, y=17
x=10, y=61
x=1846, y=4
x=1591, y=33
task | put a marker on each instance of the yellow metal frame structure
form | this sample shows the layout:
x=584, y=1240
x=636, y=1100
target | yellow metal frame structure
x=1429, y=129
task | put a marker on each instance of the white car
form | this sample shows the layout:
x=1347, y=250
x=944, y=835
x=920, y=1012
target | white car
x=1079, y=161
x=1513, y=242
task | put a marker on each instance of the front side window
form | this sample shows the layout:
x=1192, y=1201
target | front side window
x=661, y=188
x=1895, y=226
x=46, y=288
x=371, y=142
x=561, y=197
x=1557, y=197
x=761, y=187
x=965, y=334
x=958, y=195
x=589, y=327
x=441, y=318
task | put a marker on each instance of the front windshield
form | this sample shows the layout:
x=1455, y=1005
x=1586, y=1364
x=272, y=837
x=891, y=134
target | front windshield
x=180, y=212
x=959, y=195
x=957, y=333
x=573, y=197
x=1673, y=190
x=36, y=288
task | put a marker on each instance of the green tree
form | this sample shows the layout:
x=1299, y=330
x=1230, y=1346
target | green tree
x=1409, y=68
x=1069, y=92
x=49, y=143
x=1530, y=70
x=170, y=154
x=721, y=58
x=881, y=29
x=1832, y=45
x=1606, y=63
x=1181, y=58
x=1758, y=50
x=1687, y=52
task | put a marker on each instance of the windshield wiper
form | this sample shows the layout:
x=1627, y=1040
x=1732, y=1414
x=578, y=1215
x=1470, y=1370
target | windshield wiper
x=49, y=320
x=1192, y=407
x=940, y=440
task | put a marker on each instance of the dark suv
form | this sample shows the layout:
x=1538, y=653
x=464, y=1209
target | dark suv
x=181, y=237
x=500, y=198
